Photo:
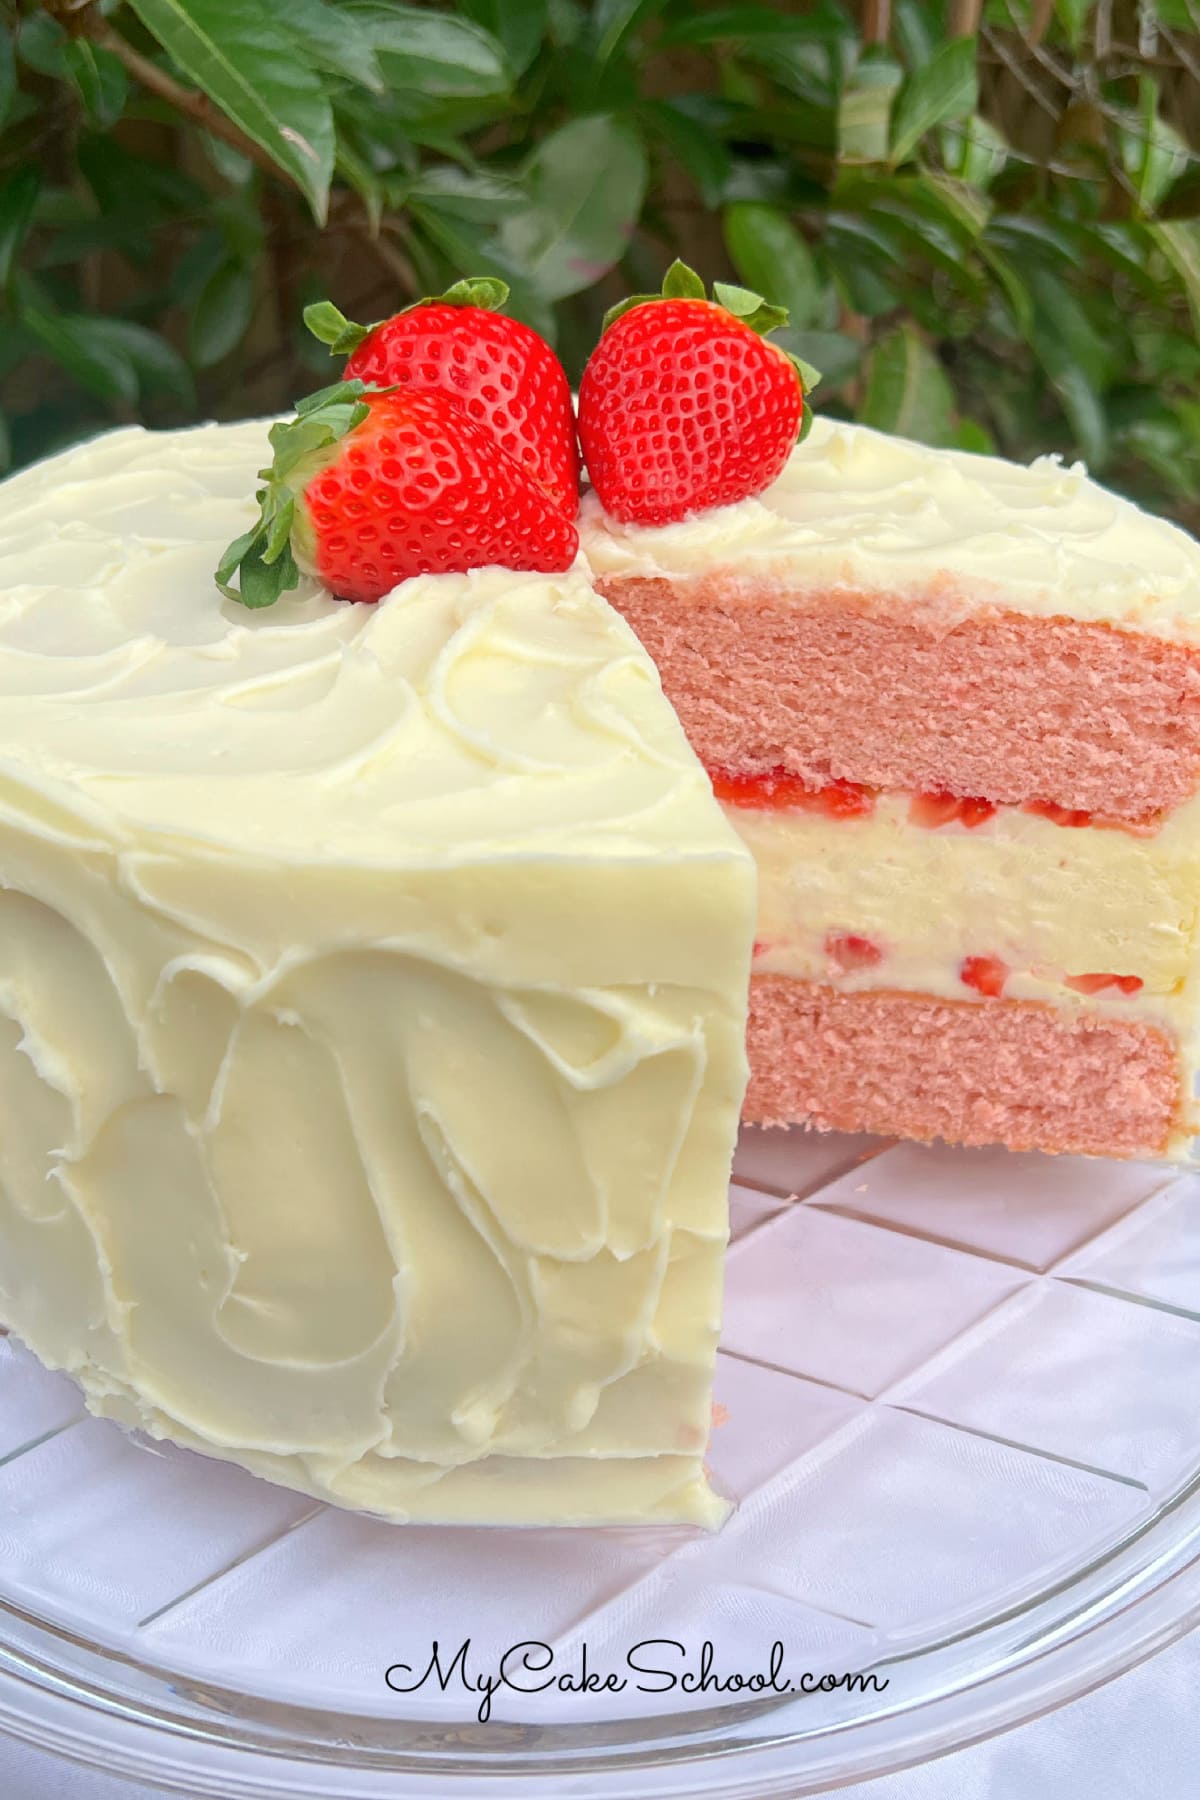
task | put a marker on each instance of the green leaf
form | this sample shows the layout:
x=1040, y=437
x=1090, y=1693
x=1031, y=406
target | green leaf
x=222, y=313
x=518, y=25
x=229, y=163
x=974, y=151
x=331, y=326
x=88, y=355
x=945, y=89
x=865, y=109
x=915, y=31
x=750, y=308
x=475, y=290
x=262, y=580
x=1179, y=241
x=238, y=53
x=970, y=435
x=1061, y=315
x=436, y=54
x=1153, y=153
x=586, y=184
x=612, y=21
x=42, y=45
x=1073, y=16
x=692, y=143
x=335, y=40
x=1078, y=361
x=101, y=80
x=835, y=353
x=473, y=193
x=8, y=76
x=682, y=283
x=908, y=391
x=157, y=365
x=1016, y=293
x=18, y=196
x=770, y=255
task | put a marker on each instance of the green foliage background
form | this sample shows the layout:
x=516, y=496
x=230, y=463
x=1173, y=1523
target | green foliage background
x=985, y=220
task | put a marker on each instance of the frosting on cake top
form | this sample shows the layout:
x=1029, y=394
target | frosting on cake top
x=490, y=710
x=857, y=509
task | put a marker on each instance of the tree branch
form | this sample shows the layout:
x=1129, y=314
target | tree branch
x=189, y=101
x=200, y=109
x=964, y=18
x=876, y=21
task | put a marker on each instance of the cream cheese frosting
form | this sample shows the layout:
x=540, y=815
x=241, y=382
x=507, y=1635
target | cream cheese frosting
x=857, y=510
x=372, y=994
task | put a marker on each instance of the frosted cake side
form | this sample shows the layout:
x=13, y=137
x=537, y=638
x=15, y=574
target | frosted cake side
x=372, y=1000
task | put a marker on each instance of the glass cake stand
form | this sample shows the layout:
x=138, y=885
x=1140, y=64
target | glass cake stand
x=957, y=1408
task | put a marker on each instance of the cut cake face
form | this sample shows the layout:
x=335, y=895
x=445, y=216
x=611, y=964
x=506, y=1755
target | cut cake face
x=953, y=706
x=372, y=1004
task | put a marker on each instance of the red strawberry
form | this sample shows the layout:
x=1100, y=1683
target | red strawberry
x=1097, y=984
x=849, y=950
x=368, y=488
x=684, y=405
x=500, y=372
x=986, y=974
x=939, y=808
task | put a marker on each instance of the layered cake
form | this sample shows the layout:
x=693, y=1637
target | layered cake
x=952, y=704
x=374, y=953
x=372, y=999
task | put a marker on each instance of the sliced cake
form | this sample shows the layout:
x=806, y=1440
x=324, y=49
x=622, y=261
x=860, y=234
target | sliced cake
x=953, y=706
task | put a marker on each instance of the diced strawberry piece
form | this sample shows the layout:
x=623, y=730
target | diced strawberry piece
x=779, y=790
x=935, y=809
x=1097, y=984
x=932, y=810
x=986, y=974
x=1070, y=816
x=848, y=950
x=845, y=800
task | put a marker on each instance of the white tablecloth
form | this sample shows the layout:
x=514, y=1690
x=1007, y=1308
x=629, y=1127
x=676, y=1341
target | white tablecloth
x=1139, y=1735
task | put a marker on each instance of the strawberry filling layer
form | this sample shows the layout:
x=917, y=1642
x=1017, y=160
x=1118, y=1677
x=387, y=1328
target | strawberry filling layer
x=778, y=790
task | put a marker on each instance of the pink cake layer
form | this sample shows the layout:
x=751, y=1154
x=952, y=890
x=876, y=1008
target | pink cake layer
x=997, y=705
x=1011, y=1072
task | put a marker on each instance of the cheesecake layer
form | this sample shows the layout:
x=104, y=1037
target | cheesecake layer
x=372, y=998
x=1053, y=904
x=1002, y=1071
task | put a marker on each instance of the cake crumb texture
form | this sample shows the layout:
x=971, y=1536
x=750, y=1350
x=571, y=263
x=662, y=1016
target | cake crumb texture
x=1010, y=1072
x=1002, y=707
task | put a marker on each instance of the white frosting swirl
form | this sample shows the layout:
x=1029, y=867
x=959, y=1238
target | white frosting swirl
x=371, y=999
x=855, y=509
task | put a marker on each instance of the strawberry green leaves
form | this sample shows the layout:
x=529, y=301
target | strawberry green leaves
x=331, y=326
x=262, y=558
x=682, y=283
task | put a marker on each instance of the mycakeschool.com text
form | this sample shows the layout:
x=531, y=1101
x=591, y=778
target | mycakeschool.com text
x=651, y=1666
